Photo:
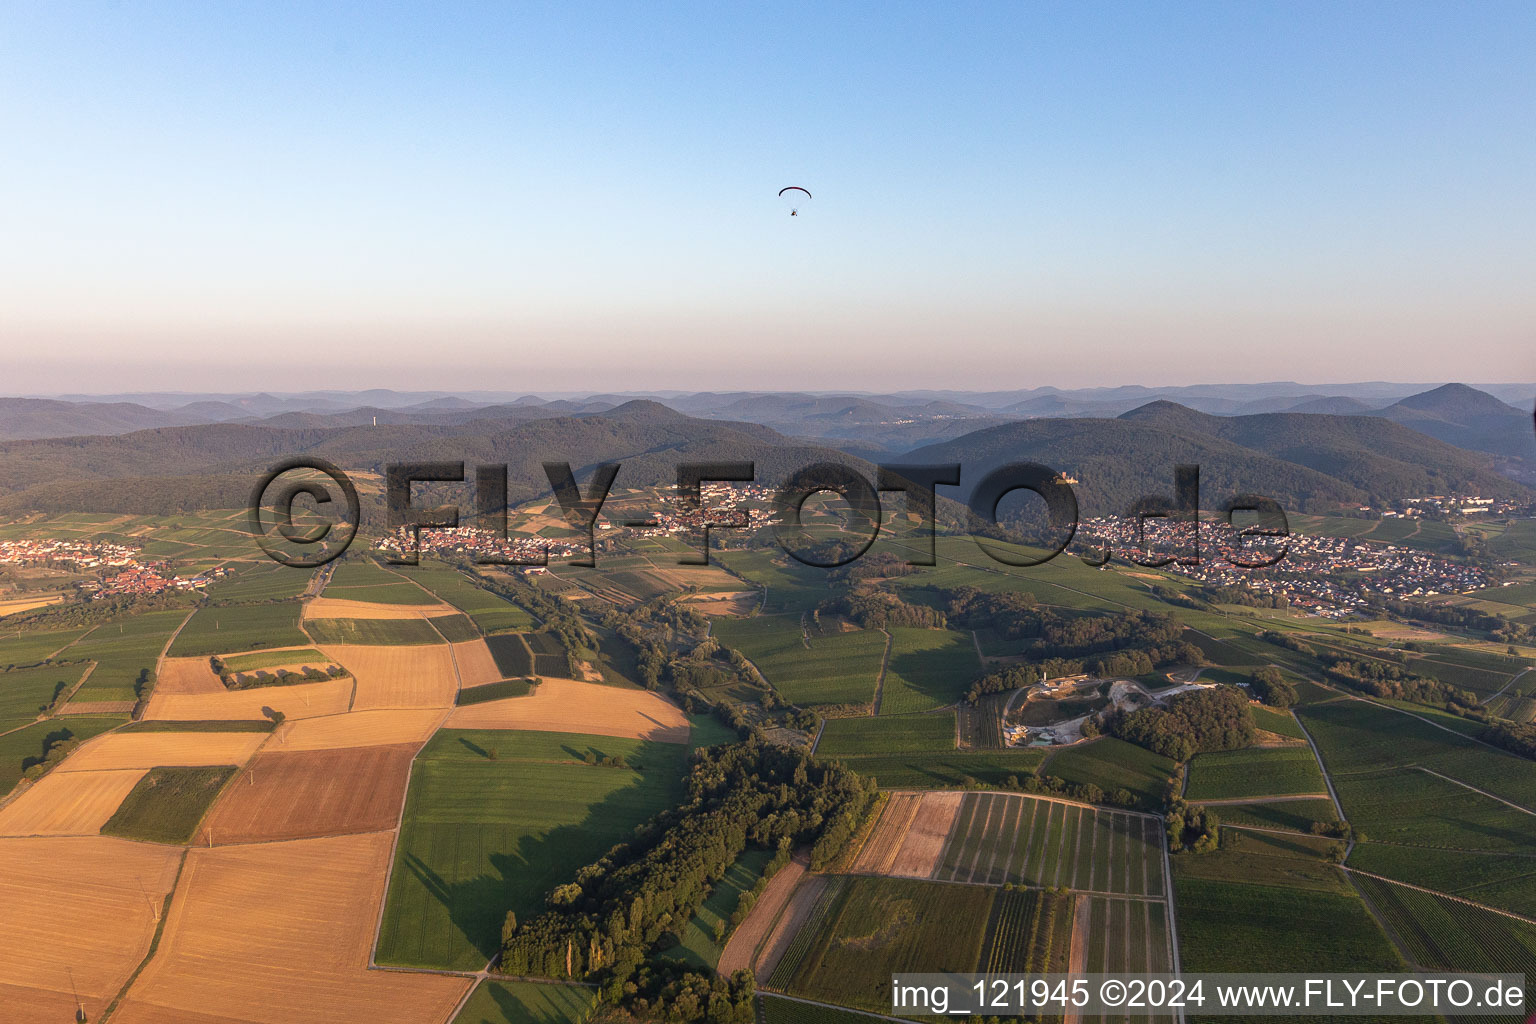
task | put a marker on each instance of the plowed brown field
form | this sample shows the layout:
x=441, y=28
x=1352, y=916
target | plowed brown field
x=566, y=705
x=295, y=795
x=280, y=932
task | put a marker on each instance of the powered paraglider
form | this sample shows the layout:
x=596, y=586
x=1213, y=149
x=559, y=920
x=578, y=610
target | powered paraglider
x=796, y=197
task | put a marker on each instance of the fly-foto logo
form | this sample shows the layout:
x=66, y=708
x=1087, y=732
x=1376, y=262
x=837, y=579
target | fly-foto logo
x=333, y=517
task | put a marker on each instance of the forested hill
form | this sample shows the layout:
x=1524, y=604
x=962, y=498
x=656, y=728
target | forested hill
x=1304, y=461
x=183, y=468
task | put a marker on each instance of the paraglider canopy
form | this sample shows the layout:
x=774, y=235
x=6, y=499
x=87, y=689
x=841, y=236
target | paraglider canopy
x=796, y=197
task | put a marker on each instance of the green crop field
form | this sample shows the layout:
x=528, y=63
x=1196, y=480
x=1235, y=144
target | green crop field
x=1295, y=815
x=792, y=588
x=703, y=935
x=482, y=836
x=1356, y=736
x=25, y=692
x=511, y=654
x=226, y=629
x=1113, y=764
x=1253, y=773
x=1442, y=934
x=396, y=592
x=168, y=804
x=528, y=1002
x=1266, y=858
x=1410, y=806
x=491, y=613
x=19, y=648
x=850, y=737
x=1232, y=926
x=363, y=579
x=876, y=927
x=261, y=583
x=271, y=659
x=455, y=628
x=494, y=691
x=922, y=770
x=839, y=668
x=928, y=668
x=1281, y=723
x=1000, y=838
x=18, y=749
x=125, y=652
x=223, y=725
x=384, y=632
x=778, y=1010
x=1503, y=880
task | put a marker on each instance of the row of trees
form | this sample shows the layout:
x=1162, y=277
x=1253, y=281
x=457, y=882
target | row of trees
x=1385, y=679
x=1515, y=737
x=1017, y=616
x=606, y=924
x=559, y=616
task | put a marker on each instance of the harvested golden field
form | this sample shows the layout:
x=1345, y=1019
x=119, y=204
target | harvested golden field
x=358, y=729
x=419, y=676
x=305, y=700
x=68, y=803
x=728, y=605
x=879, y=850
x=75, y=905
x=187, y=675
x=476, y=666
x=742, y=946
x=909, y=837
x=566, y=705
x=16, y=606
x=116, y=751
x=918, y=856
x=298, y=794
x=280, y=932
x=340, y=608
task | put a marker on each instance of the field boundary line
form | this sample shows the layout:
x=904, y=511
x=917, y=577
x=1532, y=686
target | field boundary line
x=1427, y=721
x=769, y=993
x=1322, y=766
x=154, y=942
x=1173, y=925
x=394, y=847
x=885, y=660
x=160, y=662
x=1464, y=785
x=1512, y=680
x=1444, y=895
x=1273, y=799
x=72, y=643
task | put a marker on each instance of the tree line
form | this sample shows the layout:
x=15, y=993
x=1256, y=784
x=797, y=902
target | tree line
x=607, y=924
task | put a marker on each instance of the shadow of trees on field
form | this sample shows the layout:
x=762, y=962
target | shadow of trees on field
x=518, y=866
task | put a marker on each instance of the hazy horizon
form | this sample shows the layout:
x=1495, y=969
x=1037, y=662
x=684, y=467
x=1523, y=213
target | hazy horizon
x=583, y=196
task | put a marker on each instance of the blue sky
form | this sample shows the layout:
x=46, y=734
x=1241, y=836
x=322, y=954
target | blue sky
x=572, y=195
